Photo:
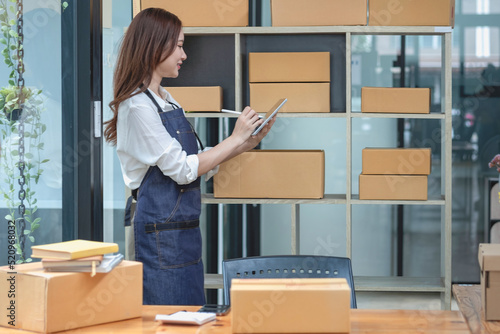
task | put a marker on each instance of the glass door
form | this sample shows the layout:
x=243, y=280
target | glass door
x=31, y=150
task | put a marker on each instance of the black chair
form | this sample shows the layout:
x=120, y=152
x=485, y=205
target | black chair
x=287, y=266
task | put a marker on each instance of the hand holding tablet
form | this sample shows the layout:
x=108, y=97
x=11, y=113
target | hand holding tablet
x=270, y=114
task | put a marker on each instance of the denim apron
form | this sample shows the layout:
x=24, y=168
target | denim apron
x=166, y=227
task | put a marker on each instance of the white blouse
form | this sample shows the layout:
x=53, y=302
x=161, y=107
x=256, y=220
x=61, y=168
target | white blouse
x=143, y=141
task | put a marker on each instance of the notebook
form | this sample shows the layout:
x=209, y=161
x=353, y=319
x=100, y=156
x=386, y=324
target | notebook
x=73, y=249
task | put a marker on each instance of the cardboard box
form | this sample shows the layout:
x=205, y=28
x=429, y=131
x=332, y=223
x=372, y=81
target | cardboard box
x=412, y=13
x=44, y=301
x=318, y=13
x=396, y=100
x=300, y=305
x=272, y=174
x=208, y=98
x=289, y=67
x=396, y=161
x=205, y=13
x=306, y=97
x=393, y=187
x=489, y=262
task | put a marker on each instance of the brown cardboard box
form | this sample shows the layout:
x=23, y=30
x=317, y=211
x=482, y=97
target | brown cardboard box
x=208, y=98
x=489, y=262
x=412, y=13
x=302, y=97
x=393, y=187
x=205, y=13
x=44, y=301
x=318, y=13
x=289, y=66
x=396, y=100
x=272, y=174
x=300, y=305
x=396, y=161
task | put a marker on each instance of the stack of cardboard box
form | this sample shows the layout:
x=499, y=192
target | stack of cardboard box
x=301, y=77
x=231, y=13
x=394, y=173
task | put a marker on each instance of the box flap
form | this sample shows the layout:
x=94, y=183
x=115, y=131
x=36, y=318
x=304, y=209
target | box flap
x=489, y=257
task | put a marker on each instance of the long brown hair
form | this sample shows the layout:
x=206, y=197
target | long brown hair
x=151, y=38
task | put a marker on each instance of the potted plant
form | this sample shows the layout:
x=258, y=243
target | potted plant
x=21, y=132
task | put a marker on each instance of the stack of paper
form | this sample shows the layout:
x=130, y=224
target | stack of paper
x=78, y=256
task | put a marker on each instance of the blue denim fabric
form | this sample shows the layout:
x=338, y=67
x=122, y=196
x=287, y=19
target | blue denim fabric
x=166, y=229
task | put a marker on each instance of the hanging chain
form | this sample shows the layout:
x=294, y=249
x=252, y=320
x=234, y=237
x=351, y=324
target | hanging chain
x=20, y=86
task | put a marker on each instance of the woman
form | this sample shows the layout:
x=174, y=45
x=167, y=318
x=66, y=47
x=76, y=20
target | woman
x=160, y=159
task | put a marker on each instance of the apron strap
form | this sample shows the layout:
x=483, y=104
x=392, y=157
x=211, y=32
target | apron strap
x=160, y=110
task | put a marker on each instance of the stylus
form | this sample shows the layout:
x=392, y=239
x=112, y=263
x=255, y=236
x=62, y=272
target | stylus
x=234, y=112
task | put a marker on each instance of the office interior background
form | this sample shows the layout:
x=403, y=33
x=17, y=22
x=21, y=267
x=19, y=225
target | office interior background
x=70, y=55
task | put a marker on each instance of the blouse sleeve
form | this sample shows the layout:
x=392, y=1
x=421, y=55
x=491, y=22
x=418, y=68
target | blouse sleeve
x=149, y=142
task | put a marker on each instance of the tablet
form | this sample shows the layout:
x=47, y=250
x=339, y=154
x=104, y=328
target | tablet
x=270, y=114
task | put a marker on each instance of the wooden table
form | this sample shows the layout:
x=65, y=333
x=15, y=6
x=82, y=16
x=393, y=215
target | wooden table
x=468, y=298
x=362, y=321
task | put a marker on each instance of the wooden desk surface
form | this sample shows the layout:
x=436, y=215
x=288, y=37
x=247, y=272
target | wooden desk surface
x=362, y=321
x=468, y=298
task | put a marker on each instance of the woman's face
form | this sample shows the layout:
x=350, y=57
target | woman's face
x=170, y=67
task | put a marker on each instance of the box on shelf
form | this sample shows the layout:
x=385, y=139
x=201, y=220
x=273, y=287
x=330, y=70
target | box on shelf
x=308, y=97
x=489, y=262
x=272, y=174
x=396, y=161
x=287, y=13
x=203, y=13
x=395, y=100
x=205, y=98
x=289, y=67
x=293, y=305
x=40, y=300
x=393, y=187
x=412, y=13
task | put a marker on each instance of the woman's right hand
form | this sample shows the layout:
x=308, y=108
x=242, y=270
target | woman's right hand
x=246, y=124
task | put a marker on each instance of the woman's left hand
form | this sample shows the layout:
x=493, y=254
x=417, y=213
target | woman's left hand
x=246, y=124
x=255, y=140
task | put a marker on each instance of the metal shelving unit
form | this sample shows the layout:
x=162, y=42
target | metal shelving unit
x=440, y=284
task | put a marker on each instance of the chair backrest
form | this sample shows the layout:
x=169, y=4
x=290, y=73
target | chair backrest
x=287, y=266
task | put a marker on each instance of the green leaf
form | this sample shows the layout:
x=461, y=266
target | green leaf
x=14, y=153
x=19, y=261
x=3, y=41
x=8, y=217
x=30, y=259
x=28, y=155
x=26, y=232
x=37, y=220
x=45, y=161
